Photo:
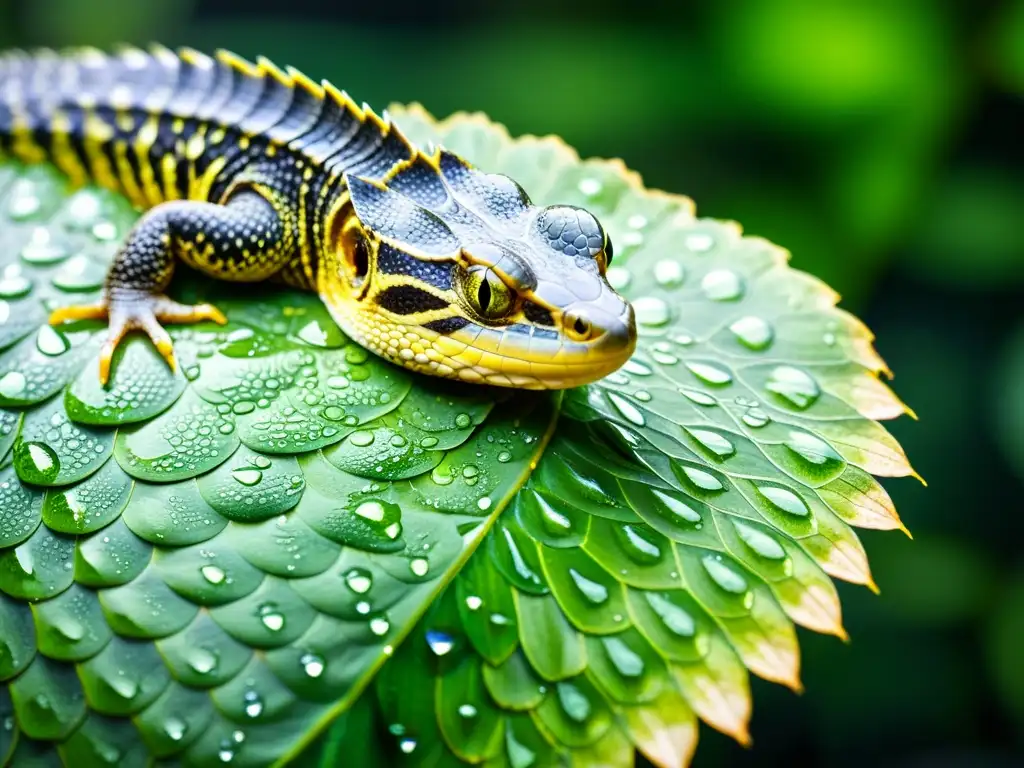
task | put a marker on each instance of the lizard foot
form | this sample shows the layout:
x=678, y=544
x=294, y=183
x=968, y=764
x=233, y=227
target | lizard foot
x=129, y=310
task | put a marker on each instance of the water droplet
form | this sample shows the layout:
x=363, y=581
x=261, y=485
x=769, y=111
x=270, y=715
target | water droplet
x=419, y=567
x=408, y=746
x=202, y=661
x=13, y=384
x=623, y=658
x=595, y=592
x=639, y=543
x=41, y=249
x=703, y=480
x=759, y=541
x=637, y=368
x=794, y=385
x=618, y=277
x=379, y=626
x=248, y=476
x=713, y=442
x=651, y=311
x=371, y=510
x=440, y=643
x=213, y=574
x=756, y=418
x=312, y=664
x=710, y=373
x=723, y=575
x=175, y=728
x=627, y=410
x=699, y=242
x=590, y=187
x=574, y=703
x=753, y=332
x=677, y=508
x=812, y=449
x=463, y=420
x=484, y=503
x=698, y=397
x=668, y=273
x=675, y=619
x=467, y=711
x=722, y=285
x=252, y=703
x=104, y=230
x=473, y=602
x=359, y=580
x=362, y=438
x=271, y=617
x=14, y=284
x=784, y=499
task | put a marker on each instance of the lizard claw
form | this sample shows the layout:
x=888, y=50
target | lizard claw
x=129, y=310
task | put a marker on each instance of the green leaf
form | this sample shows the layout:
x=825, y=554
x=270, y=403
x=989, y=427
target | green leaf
x=213, y=566
x=210, y=565
x=691, y=508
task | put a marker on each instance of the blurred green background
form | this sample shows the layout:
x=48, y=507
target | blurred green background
x=881, y=142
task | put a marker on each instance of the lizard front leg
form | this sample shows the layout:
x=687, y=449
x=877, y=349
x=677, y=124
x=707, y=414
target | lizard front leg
x=244, y=240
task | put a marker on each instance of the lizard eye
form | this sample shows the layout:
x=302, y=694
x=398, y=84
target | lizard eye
x=486, y=294
x=356, y=251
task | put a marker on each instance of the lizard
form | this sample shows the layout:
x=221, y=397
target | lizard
x=247, y=172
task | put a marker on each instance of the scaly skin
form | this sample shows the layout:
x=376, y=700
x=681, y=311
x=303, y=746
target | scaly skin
x=248, y=173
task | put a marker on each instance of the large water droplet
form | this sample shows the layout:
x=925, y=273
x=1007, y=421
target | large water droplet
x=651, y=311
x=202, y=661
x=703, y=480
x=698, y=397
x=574, y=702
x=13, y=384
x=710, y=373
x=677, y=508
x=699, y=242
x=794, y=385
x=175, y=728
x=669, y=273
x=247, y=476
x=359, y=580
x=784, y=499
x=51, y=342
x=213, y=574
x=722, y=285
x=812, y=449
x=638, y=542
x=627, y=410
x=759, y=541
x=753, y=332
x=271, y=617
x=623, y=658
x=312, y=664
x=675, y=619
x=595, y=592
x=440, y=643
x=723, y=575
x=713, y=442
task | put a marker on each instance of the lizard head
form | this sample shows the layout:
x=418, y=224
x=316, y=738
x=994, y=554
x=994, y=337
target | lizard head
x=454, y=272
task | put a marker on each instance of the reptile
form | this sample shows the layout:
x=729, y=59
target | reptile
x=247, y=173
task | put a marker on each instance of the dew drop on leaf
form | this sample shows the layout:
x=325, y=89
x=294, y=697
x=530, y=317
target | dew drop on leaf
x=651, y=311
x=709, y=373
x=593, y=591
x=312, y=664
x=440, y=643
x=795, y=386
x=784, y=499
x=753, y=332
